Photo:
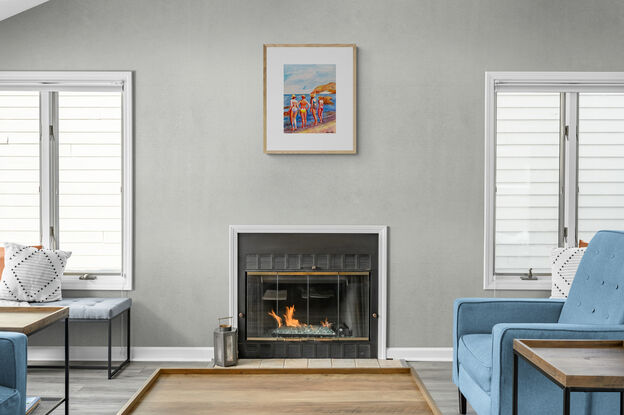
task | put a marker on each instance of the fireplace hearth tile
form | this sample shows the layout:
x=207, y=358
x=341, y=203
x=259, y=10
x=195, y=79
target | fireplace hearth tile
x=320, y=363
x=312, y=363
x=366, y=363
x=248, y=363
x=343, y=363
x=272, y=363
x=390, y=363
x=295, y=363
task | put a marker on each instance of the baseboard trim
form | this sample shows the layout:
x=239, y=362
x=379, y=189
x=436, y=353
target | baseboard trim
x=203, y=354
x=139, y=354
x=423, y=354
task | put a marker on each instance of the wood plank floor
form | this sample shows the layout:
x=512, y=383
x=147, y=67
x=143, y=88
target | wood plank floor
x=91, y=393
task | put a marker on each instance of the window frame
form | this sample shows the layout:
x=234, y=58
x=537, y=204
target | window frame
x=568, y=84
x=48, y=83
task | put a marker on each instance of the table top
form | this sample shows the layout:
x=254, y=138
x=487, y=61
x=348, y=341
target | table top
x=28, y=320
x=281, y=391
x=577, y=363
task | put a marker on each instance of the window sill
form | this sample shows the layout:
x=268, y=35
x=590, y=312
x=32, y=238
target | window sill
x=102, y=282
x=516, y=284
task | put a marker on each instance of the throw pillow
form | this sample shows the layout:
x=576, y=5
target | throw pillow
x=2, y=258
x=32, y=274
x=564, y=262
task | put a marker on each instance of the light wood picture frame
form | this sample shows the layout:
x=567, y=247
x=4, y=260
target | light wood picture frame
x=310, y=98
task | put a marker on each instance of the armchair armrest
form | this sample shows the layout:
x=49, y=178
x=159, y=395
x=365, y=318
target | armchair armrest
x=13, y=360
x=480, y=315
x=502, y=349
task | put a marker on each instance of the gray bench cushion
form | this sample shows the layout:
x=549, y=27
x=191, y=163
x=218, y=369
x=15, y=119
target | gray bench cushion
x=91, y=308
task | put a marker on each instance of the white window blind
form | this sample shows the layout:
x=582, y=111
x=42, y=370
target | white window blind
x=527, y=180
x=601, y=163
x=90, y=180
x=19, y=167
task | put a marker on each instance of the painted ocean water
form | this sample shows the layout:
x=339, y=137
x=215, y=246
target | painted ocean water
x=329, y=109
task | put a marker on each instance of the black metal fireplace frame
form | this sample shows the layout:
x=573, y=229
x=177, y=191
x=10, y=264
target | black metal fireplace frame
x=364, y=260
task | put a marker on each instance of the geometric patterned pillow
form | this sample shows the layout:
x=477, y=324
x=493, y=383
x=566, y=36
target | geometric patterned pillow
x=32, y=274
x=564, y=263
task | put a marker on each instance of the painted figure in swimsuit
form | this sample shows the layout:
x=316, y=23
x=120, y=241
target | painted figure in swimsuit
x=314, y=107
x=303, y=110
x=294, y=109
x=320, y=110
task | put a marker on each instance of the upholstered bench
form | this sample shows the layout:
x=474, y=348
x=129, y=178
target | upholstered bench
x=98, y=310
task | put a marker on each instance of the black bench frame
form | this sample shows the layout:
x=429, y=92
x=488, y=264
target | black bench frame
x=112, y=371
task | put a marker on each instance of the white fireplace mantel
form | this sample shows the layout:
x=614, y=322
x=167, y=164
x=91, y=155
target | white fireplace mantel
x=382, y=233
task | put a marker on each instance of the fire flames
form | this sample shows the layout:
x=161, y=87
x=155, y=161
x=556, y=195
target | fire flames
x=277, y=318
x=289, y=317
x=290, y=320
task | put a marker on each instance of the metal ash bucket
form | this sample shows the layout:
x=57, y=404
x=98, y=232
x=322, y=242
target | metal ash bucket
x=225, y=343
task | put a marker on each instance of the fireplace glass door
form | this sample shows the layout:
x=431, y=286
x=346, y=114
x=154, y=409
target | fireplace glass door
x=322, y=306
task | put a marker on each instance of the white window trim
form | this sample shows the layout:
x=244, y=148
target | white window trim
x=87, y=81
x=538, y=81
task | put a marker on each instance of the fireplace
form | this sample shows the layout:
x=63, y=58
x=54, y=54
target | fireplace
x=307, y=295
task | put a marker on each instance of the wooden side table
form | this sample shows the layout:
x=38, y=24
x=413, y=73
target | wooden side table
x=574, y=365
x=29, y=320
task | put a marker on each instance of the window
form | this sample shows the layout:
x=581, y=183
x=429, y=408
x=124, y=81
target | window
x=66, y=170
x=19, y=167
x=554, y=169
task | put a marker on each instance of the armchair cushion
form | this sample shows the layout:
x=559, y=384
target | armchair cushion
x=9, y=401
x=91, y=308
x=475, y=356
x=597, y=294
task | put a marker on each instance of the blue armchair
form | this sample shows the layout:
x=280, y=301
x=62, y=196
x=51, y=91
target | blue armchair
x=484, y=329
x=12, y=373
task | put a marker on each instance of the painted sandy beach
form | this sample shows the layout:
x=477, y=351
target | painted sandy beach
x=328, y=126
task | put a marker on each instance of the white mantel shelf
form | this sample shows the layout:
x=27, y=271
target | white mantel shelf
x=382, y=248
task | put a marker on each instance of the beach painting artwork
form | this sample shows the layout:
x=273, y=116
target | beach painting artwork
x=309, y=98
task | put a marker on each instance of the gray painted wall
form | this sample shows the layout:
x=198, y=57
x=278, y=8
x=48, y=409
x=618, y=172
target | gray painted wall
x=199, y=161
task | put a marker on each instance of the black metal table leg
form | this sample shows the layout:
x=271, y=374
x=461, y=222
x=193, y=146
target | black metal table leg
x=109, y=348
x=462, y=402
x=128, y=352
x=566, y=401
x=515, y=384
x=66, y=366
x=128, y=337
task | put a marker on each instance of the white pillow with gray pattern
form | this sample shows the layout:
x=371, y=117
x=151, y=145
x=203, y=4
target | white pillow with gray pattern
x=32, y=274
x=564, y=263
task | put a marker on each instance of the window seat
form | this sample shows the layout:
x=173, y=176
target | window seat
x=95, y=309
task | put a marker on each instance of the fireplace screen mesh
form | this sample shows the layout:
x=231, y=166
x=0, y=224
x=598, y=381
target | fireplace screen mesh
x=321, y=306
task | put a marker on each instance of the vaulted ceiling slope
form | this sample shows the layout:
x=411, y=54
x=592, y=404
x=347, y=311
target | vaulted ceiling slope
x=10, y=8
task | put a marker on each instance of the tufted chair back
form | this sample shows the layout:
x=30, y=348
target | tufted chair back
x=597, y=293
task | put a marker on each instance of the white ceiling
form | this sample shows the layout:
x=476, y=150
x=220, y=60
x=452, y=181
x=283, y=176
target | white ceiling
x=10, y=8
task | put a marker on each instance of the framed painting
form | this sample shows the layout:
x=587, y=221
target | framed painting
x=310, y=99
